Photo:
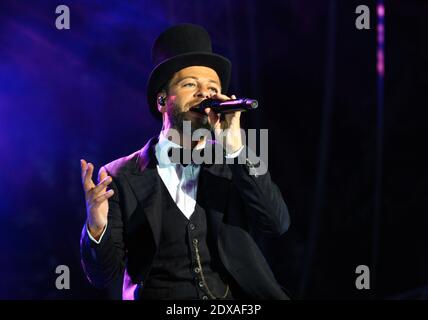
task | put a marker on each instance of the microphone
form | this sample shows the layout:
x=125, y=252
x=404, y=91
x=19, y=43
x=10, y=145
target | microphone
x=228, y=106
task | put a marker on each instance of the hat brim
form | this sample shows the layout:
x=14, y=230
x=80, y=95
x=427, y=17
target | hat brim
x=163, y=72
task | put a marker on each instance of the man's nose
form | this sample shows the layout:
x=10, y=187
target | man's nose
x=204, y=93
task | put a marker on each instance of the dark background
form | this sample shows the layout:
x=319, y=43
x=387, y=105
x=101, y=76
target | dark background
x=354, y=198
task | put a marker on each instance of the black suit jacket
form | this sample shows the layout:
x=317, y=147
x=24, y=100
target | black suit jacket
x=237, y=205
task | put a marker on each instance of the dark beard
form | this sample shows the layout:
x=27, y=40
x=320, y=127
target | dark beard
x=176, y=119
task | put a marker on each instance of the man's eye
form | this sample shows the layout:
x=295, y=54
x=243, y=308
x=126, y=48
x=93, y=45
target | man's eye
x=214, y=89
x=190, y=84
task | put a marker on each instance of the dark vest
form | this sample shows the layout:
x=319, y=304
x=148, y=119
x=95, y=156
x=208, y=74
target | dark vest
x=175, y=272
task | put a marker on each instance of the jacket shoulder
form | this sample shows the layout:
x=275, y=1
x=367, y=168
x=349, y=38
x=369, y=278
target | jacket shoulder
x=124, y=165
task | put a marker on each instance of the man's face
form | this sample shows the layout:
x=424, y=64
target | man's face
x=187, y=88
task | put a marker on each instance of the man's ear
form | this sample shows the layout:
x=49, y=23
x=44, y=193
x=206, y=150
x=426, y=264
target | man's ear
x=161, y=101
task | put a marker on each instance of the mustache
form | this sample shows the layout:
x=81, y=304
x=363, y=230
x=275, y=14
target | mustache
x=193, y=103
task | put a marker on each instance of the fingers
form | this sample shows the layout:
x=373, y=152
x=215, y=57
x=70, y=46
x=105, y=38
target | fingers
x=216, y=121
x=87, y=170
x=233, y=117
x=100, y=188
x=103, y=197
x=102, y=174
x=220, y=96
x=213, y=118
x=92, y=191
x=83, y=166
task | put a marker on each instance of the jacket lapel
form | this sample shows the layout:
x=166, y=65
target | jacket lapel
x=146, y=184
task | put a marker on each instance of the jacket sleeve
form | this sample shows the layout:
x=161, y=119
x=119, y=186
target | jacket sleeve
x=262, y=198
x=104, y=261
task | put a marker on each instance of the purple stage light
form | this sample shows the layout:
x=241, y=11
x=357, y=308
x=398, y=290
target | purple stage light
x=380, y=64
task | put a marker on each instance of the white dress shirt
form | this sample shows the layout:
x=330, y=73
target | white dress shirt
x=181, y=181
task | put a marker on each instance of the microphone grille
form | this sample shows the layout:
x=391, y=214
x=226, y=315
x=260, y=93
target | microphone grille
x=254, y=104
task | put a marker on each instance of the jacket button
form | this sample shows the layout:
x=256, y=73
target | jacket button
x=201, y=284
x=192, y=226
x=204, y=298
x=196, y=270
x=195, y=241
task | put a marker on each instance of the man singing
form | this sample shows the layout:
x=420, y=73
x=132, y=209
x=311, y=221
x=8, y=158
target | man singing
x=177, y=231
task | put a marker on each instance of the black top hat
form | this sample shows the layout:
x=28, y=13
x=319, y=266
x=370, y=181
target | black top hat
x=178, y=47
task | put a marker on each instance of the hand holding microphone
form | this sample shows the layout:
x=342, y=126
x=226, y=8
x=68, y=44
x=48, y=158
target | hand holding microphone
x=224, y=115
